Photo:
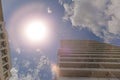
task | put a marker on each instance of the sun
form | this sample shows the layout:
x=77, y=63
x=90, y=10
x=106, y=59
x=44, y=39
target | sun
x=36, y=30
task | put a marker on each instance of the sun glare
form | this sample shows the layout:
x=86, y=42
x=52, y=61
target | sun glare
x=36, y=30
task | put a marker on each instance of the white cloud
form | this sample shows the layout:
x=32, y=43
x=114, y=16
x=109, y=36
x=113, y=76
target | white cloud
x=15, y=59
x=26, y=64
x=101, y=17
x=14, y=72
x=32, y=73
x=49, y=10
x=18, y=50
x=61, y=1
x=38, y=50
x=114, y=10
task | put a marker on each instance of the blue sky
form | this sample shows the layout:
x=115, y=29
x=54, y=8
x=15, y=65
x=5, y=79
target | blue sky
x=70, y=19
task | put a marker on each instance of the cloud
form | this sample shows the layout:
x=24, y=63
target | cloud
x=26, y=69
x=38, y=50
x=14, y=72
x=61, y=1
x=101, y=17
x=114, y=11
x=18, y=50
x=49, y=10
x=26, y=63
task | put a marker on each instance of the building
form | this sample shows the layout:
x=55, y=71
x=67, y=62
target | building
x=5, y=64
x=88, y=60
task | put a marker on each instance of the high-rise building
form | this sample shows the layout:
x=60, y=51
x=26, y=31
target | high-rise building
x=88, y=60
x=5, y=64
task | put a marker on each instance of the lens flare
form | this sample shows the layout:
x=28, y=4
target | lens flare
x=55, y=70
x=29, y=26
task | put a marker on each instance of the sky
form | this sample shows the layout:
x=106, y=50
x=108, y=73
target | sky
x=66, y=19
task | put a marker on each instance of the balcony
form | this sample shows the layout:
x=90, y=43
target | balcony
x=3, y=44
x=6, y=75
x=4, y=60
x=6, y=67
x=2, y=35
x=3, y=52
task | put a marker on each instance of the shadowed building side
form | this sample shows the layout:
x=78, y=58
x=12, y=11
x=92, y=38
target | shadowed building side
x=85, y=59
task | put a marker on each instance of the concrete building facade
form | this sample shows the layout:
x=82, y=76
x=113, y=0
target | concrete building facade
x=88, y=60
x=5, y=64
